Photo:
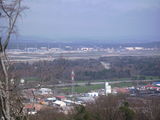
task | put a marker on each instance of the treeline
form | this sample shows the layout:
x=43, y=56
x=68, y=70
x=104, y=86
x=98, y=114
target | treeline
x=92, y=69
x=108, y=108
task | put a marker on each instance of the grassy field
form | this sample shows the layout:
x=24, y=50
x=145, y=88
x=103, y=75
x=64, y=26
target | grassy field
x=83, y=89
x=105, y=80
x=123, y=79
x=88, y=88
x=123, y=84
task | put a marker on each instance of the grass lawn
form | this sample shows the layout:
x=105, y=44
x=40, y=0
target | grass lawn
x=83, y=89
x=123, y=84
x=88, y=88
x=121, y=79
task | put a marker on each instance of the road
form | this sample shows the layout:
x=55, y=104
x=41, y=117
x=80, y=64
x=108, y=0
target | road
x=96, y=83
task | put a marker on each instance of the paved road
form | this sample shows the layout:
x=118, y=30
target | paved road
x=96, y=83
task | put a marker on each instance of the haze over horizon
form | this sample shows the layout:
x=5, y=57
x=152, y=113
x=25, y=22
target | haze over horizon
x=116, y=20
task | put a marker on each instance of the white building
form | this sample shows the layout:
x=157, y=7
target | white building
x=86, y=49
x=92, y=94
x=139, y=48
x=107, y=88
x=59, y=103
x=129, y=48
x=44, y=91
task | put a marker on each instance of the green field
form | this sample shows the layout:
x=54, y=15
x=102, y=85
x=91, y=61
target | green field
x=88, y=88
x=83, y=89
x=123, y=84
x=124, y=79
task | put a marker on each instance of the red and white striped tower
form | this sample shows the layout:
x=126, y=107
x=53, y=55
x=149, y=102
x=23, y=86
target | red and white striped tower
x=72, y=75
x=72, y=78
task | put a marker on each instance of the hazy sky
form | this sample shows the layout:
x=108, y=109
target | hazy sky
x=92, y=19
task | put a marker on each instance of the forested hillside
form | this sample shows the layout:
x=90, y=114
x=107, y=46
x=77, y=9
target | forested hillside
x=92, y=69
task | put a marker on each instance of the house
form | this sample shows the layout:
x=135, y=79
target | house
x=70, y=102
x=85, y=99
x=32, y=108
x=59, y=103
x=122, y=90
x=61, y=98
x=156, y=84
x=44, y=91
x=153, y=87
x=92, y=94
x=50, y=100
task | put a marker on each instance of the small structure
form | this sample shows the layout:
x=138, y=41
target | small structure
x=61, y=98
x=129, y=48
x=33, y=108
x=22, y=81
x=44, y=91
x=51, y=99
x=152, y=87
x=59, y=103
x=92, y=94
x=85, y=99
x=156, y=84
x=70, y=102
x=122, y=90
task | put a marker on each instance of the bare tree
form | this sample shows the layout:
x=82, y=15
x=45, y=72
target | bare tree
x=9, y=12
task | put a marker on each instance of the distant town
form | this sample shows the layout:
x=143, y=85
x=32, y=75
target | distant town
x=68, y=52
x=39, y=98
